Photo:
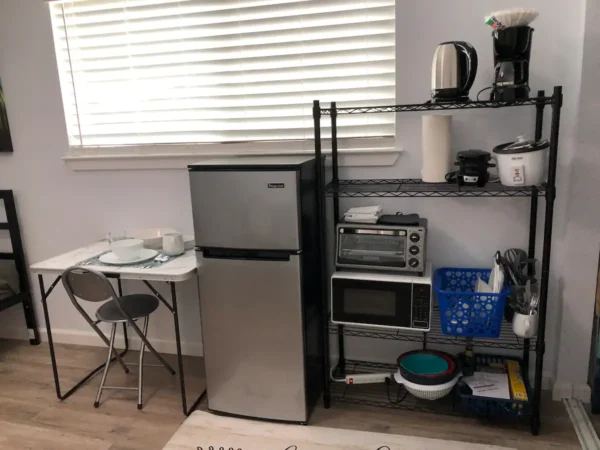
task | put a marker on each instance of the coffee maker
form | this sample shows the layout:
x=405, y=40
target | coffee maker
x=512, y=51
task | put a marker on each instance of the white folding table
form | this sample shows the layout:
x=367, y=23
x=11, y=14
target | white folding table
x=175, y=271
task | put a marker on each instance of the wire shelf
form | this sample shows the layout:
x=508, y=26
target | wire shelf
x=414, y=187
x=507, y=339
x=392, y=396
x=429, y=106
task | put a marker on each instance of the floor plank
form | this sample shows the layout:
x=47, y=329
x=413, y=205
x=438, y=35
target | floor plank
x=21, y=436
x=34, y=417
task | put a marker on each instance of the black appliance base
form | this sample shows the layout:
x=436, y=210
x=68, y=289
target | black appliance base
x=463, y=99
x=509, y=94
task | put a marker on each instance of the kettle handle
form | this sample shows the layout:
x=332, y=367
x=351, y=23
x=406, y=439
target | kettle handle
x=471, y=57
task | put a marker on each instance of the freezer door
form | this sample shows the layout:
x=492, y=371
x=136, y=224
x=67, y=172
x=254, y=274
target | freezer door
x=246, y=209
x=252, y=330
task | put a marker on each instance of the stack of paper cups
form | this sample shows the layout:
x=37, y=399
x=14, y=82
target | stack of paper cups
x=437, y=148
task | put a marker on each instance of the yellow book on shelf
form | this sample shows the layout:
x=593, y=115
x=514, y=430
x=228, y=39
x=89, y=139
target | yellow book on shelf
x=517, y=386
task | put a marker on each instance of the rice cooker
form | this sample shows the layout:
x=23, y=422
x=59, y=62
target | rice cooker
x=522, y=163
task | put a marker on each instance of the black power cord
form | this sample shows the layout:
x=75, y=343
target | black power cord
x=483, y=90
x=399, y=400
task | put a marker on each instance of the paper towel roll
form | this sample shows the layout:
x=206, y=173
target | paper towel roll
x=437, y=148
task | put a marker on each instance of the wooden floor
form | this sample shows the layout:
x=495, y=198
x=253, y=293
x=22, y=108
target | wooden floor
x=31, y=417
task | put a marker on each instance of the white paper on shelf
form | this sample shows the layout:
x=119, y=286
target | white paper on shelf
x=482, y=286
x=363, y=214
x=491, y=385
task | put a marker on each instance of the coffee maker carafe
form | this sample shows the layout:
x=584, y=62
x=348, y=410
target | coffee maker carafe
x=512, y=51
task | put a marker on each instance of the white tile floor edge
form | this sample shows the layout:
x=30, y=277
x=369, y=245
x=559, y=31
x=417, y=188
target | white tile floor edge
x=203, y=430
x=581, y=422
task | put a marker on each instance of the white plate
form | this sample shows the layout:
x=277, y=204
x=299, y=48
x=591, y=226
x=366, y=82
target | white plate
x=111, y=258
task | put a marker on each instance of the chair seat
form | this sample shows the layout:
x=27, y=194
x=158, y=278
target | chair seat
x=136, y=305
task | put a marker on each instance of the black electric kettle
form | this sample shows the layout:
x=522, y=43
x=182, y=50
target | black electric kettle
x=453, y=71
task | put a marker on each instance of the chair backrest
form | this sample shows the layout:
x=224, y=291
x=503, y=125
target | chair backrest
x=87, y=284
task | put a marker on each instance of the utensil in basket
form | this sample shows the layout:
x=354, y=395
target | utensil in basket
x=533, y=304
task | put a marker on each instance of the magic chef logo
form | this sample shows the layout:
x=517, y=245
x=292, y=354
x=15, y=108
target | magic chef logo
x=276, y=185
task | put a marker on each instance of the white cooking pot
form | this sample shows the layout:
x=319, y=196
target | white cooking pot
x=522, y=163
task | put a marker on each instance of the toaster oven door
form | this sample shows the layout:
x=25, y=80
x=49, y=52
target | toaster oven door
x=371, y=302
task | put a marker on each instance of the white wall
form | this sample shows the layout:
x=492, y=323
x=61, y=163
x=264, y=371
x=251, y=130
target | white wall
x=61, y=209
x=578, y=280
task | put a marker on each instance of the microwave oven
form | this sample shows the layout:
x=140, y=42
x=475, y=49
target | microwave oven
x=383, y=300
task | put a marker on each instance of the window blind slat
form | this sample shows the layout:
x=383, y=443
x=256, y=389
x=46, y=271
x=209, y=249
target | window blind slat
x=162, y=71
x=184, y=15
x=209, y=136
x=105, y=48
x=190, y=76
x=219, y=33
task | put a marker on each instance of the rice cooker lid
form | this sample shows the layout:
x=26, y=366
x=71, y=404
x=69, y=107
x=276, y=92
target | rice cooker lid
x=511, y=148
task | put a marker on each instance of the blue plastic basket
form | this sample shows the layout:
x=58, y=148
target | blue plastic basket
x=496, y=408
x=463, y=311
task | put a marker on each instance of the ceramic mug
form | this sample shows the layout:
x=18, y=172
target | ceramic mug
x=525, y=325
x=173, y=244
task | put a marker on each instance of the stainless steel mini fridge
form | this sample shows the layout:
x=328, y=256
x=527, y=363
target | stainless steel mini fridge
x=256, y=230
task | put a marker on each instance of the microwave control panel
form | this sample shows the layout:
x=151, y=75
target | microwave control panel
x=421, y=313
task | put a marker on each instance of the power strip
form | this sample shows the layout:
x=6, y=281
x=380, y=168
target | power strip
x=365, y=378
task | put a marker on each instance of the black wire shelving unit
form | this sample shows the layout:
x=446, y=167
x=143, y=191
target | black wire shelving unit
x=411, y=187
x=17, y=255
x=336, y=189
x=392, y=396
x=506, y=341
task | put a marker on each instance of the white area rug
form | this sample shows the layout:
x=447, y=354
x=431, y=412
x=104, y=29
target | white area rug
x=206, y=431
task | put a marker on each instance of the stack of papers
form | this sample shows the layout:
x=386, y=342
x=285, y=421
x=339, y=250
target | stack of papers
x=364, y=214
x=492, y=385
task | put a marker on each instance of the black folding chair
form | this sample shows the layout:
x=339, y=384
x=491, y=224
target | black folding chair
x=92, y=286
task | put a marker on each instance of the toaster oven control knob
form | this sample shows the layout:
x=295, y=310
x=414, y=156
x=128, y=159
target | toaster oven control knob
x=414, y=237
x=413, y=262
x=413, y=250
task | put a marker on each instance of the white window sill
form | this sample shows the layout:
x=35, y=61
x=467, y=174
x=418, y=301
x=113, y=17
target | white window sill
x=378, y=153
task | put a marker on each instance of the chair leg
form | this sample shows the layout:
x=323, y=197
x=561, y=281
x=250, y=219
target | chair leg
x=141, y=364
x=113, y=332
x=152, y=350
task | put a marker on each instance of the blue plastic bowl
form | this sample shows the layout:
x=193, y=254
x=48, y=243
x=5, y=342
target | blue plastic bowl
x=424, y=364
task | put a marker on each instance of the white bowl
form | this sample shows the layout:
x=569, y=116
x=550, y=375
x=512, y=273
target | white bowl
x=189, y=242
x=426, y=392
x=127, y=249
x=153, y=237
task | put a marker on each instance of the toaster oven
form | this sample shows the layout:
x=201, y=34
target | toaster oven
x=398, y=248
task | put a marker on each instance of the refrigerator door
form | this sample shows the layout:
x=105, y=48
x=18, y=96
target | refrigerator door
x=252, y=330
x=246, y=209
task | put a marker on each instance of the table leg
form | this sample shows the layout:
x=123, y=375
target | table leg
x=61, y=396
x=186, y=411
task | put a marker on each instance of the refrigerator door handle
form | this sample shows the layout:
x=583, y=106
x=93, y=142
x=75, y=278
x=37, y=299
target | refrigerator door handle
x=253, y=255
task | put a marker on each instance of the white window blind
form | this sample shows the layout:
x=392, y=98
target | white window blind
x=214, y=71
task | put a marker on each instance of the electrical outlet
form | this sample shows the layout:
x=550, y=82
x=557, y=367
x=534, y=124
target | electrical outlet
x=365, y=378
